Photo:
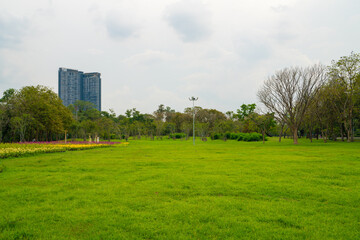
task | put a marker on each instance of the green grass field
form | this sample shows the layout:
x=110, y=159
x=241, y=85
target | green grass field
x=173, y=190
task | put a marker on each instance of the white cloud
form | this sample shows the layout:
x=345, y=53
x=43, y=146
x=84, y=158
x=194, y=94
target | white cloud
x=153, y=52
x=190, y=19
x=94, y=51
x=119, y=26
x=148, y=57
x=12, y=28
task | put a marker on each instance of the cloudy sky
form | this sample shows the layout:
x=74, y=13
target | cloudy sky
x=165, y=51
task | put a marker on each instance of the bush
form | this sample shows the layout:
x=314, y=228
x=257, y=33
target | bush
x=234, y=136
x=247, y=137
x=252, y=137
x=241, y=136
x=227, y=135
x=177, y=135
x=216, y=136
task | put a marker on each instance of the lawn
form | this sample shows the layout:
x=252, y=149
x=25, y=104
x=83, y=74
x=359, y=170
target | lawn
x=173, y=190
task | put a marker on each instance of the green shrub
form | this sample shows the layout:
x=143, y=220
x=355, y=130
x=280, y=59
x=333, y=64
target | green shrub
x=252, y=137
x=177, y=135
x=227, y=135
x=247, y=137
x=234, y=136
x=216, y=136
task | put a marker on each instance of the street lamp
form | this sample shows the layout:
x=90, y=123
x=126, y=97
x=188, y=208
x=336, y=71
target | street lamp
x=193, y=99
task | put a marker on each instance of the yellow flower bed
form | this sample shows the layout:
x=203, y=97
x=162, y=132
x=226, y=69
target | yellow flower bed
x=19, y=149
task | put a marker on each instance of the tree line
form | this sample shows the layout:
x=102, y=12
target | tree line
x=315, y=101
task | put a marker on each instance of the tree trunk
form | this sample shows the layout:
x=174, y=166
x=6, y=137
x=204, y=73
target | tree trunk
x=281, y=132
x=295, y=133
x=263, y=135
x=310, y=132
x=341, y=132
x=348, y=135
x=285, y=132
x=334, y=136
x=324, y=135
x=351, y=129
x=347, y=126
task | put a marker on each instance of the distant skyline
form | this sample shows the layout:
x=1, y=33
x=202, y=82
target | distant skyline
x=165, y=51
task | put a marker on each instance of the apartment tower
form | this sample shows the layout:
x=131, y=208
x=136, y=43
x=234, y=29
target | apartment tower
x=76, y=85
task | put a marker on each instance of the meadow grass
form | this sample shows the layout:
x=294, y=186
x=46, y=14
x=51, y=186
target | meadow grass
x=173, y=190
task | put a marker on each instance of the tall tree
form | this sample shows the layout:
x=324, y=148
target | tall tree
x=344, y=73
x=49, y=116
x=289, y=92
x=159, y=115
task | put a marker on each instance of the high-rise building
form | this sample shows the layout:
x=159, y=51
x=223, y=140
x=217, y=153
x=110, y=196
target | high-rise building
x=70, y=85
x=91, y=85
x=75, y=85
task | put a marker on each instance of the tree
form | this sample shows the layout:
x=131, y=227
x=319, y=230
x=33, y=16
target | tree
x=105, y=126
x=89, y=127
x=289, y=92
x=8, y=94
x=245, y=110
x=83, y=110
x=3, y=119
x=159, y=115
x=320, y=114
x=203, y=129
x=20, y=124
x=49, y=117
x=345, y=73
x=230, y=115
x=243, y=116
x=264, y=122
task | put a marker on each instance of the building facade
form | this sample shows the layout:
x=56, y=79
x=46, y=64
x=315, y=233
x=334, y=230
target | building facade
x=91, y=85
x=76, y=85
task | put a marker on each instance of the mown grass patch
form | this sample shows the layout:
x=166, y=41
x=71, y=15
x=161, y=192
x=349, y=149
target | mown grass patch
x=173, y=190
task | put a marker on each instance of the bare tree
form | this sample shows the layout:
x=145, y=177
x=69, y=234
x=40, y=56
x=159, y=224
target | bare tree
x=289, y=92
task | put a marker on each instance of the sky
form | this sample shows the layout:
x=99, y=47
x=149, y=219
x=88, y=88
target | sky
x=165, y=51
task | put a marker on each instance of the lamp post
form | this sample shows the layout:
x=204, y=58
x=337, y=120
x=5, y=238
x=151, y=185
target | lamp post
x=193, y=99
